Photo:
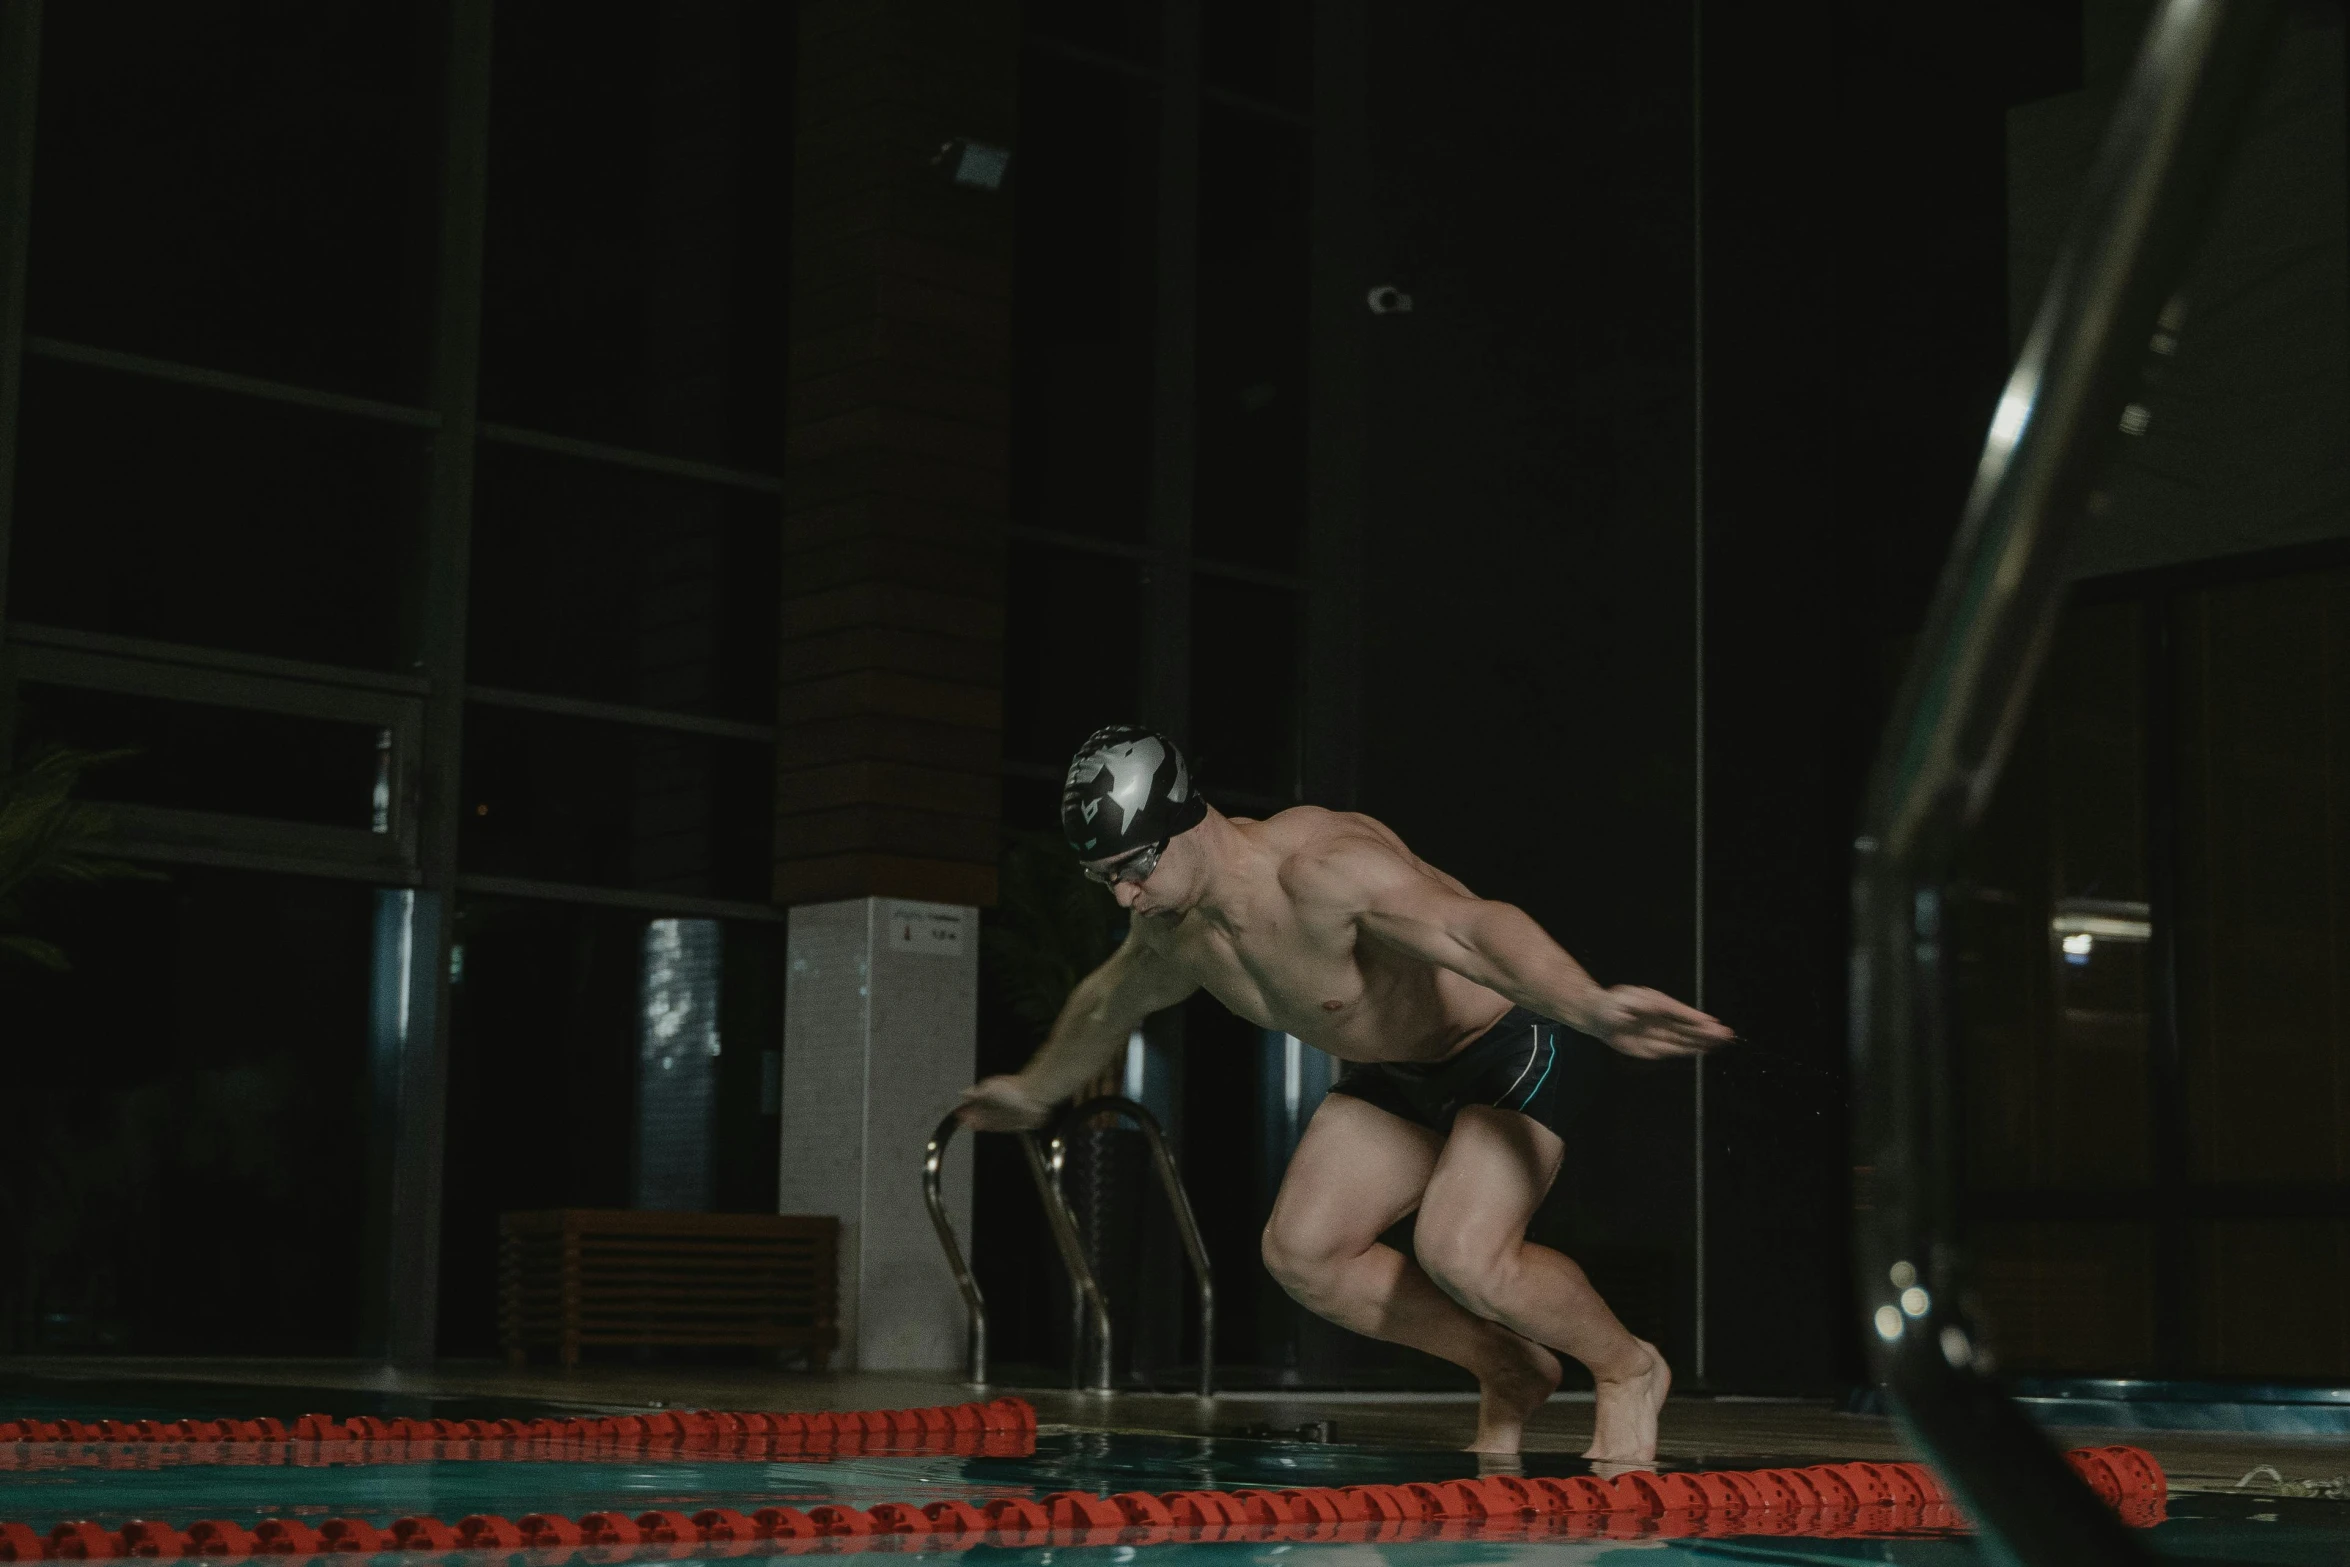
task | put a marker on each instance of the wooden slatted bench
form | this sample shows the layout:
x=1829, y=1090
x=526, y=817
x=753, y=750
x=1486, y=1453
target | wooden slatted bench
x=571, y=1277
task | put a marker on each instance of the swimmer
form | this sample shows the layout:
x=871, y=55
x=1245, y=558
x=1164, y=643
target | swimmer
x=1447, y=1009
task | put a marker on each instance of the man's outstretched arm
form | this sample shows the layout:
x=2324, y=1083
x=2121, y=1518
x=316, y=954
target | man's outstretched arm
x=1108, y=1005
x=1398, y=903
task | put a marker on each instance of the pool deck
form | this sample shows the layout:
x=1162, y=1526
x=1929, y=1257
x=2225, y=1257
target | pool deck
x=1698, y=1431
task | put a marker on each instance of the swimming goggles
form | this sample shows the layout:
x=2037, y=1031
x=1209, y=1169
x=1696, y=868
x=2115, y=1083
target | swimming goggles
x=1136, y=867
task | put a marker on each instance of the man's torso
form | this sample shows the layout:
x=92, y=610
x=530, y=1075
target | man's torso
x=1281, y=966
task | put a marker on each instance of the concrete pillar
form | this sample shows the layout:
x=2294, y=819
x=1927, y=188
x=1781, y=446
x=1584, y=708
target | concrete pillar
x=879, y=1035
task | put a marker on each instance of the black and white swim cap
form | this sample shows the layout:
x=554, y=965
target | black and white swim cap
x=1127, y=788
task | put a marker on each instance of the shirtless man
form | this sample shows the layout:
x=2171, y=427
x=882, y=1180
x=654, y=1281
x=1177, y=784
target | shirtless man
x=1323, y=925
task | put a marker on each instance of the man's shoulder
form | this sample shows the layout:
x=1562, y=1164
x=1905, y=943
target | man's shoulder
x=1311, y=829
x=1324, y=851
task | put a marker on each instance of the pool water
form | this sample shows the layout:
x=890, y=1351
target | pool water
x=111, y=1486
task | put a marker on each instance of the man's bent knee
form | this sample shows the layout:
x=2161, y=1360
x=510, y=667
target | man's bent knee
x=1304, y=1265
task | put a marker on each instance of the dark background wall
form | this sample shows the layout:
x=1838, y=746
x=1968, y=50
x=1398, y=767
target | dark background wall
x=1530, y=541
x=1856, y=325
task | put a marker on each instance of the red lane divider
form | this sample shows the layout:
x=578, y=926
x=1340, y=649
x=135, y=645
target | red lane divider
x=1852, y=1499
x=1005, y=1427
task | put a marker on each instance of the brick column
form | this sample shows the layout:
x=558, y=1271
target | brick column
x=895, y=497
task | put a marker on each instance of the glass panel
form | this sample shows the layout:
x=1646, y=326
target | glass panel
x=1082, y=297
x=678, y=1048
x=246, y=186
x=1254, y=265
x=2072, y=1297
x=188, y=1092
x=1033, y=804
x=617, y=586
x=197, y=757
x=637, y=243
x=543, y=1010
x=1244, y=687
x=572, y=800
x=1128, y=31
x=1292, y=1077
x=154, y=510
x=546, y=1007
x=1072, y=650
x=2272, y=1298
x=2264, y=878
x=2053, y=927
x=1265, y=50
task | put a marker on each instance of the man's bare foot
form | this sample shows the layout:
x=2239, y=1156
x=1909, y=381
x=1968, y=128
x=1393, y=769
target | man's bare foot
x=1609, y=1469
x=1508, y=1396
x=1623, y=1426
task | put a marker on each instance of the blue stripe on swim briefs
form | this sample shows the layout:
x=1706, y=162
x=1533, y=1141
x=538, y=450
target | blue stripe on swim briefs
x=1547, y=1064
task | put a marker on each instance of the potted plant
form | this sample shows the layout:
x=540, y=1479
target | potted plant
x=47, y=835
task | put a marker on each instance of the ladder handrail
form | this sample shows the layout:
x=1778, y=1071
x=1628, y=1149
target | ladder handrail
x=1064, y=1228
x=1093, y=1310
x=1203, y=1272
x=1089, y=1302
x=933, y=1164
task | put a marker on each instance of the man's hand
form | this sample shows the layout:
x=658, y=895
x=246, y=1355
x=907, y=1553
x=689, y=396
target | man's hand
x=1653, y=1026
x=1002, y=1104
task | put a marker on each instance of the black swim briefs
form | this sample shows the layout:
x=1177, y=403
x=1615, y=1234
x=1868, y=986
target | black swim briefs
x=1513, y=1065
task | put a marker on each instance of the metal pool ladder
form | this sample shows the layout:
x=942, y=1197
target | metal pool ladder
x=1046, y=1158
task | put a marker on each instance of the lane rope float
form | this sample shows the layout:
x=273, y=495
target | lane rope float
x=1847, y=1500
x=1005, y=1427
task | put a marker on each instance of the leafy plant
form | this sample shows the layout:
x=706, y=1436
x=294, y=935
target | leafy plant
x=1052, y=927
x=47, y=835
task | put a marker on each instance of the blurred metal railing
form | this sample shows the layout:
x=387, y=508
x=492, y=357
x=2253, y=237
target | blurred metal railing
x=1203, y=1273
x=1046, y=1161
x=1967, y=687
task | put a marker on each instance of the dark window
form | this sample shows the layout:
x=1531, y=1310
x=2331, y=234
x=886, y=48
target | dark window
x=190, y=1119
x=2056, y=1008
x=2264, y=939
x=602, y=582
x=1264, y=51
x=1128, y=31
x=156, y=510
x=249, y=187
x=198, y=757
x=545, y=1015
x=1244, y=687
x=2188, y=739
x=574, y=800
x=636, y=265
x=1254, y=261
x=1072, y=649
x=1033, y=804
x=1082, y=301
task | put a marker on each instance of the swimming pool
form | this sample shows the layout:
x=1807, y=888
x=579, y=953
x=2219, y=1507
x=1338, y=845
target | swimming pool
x=42, y=1484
